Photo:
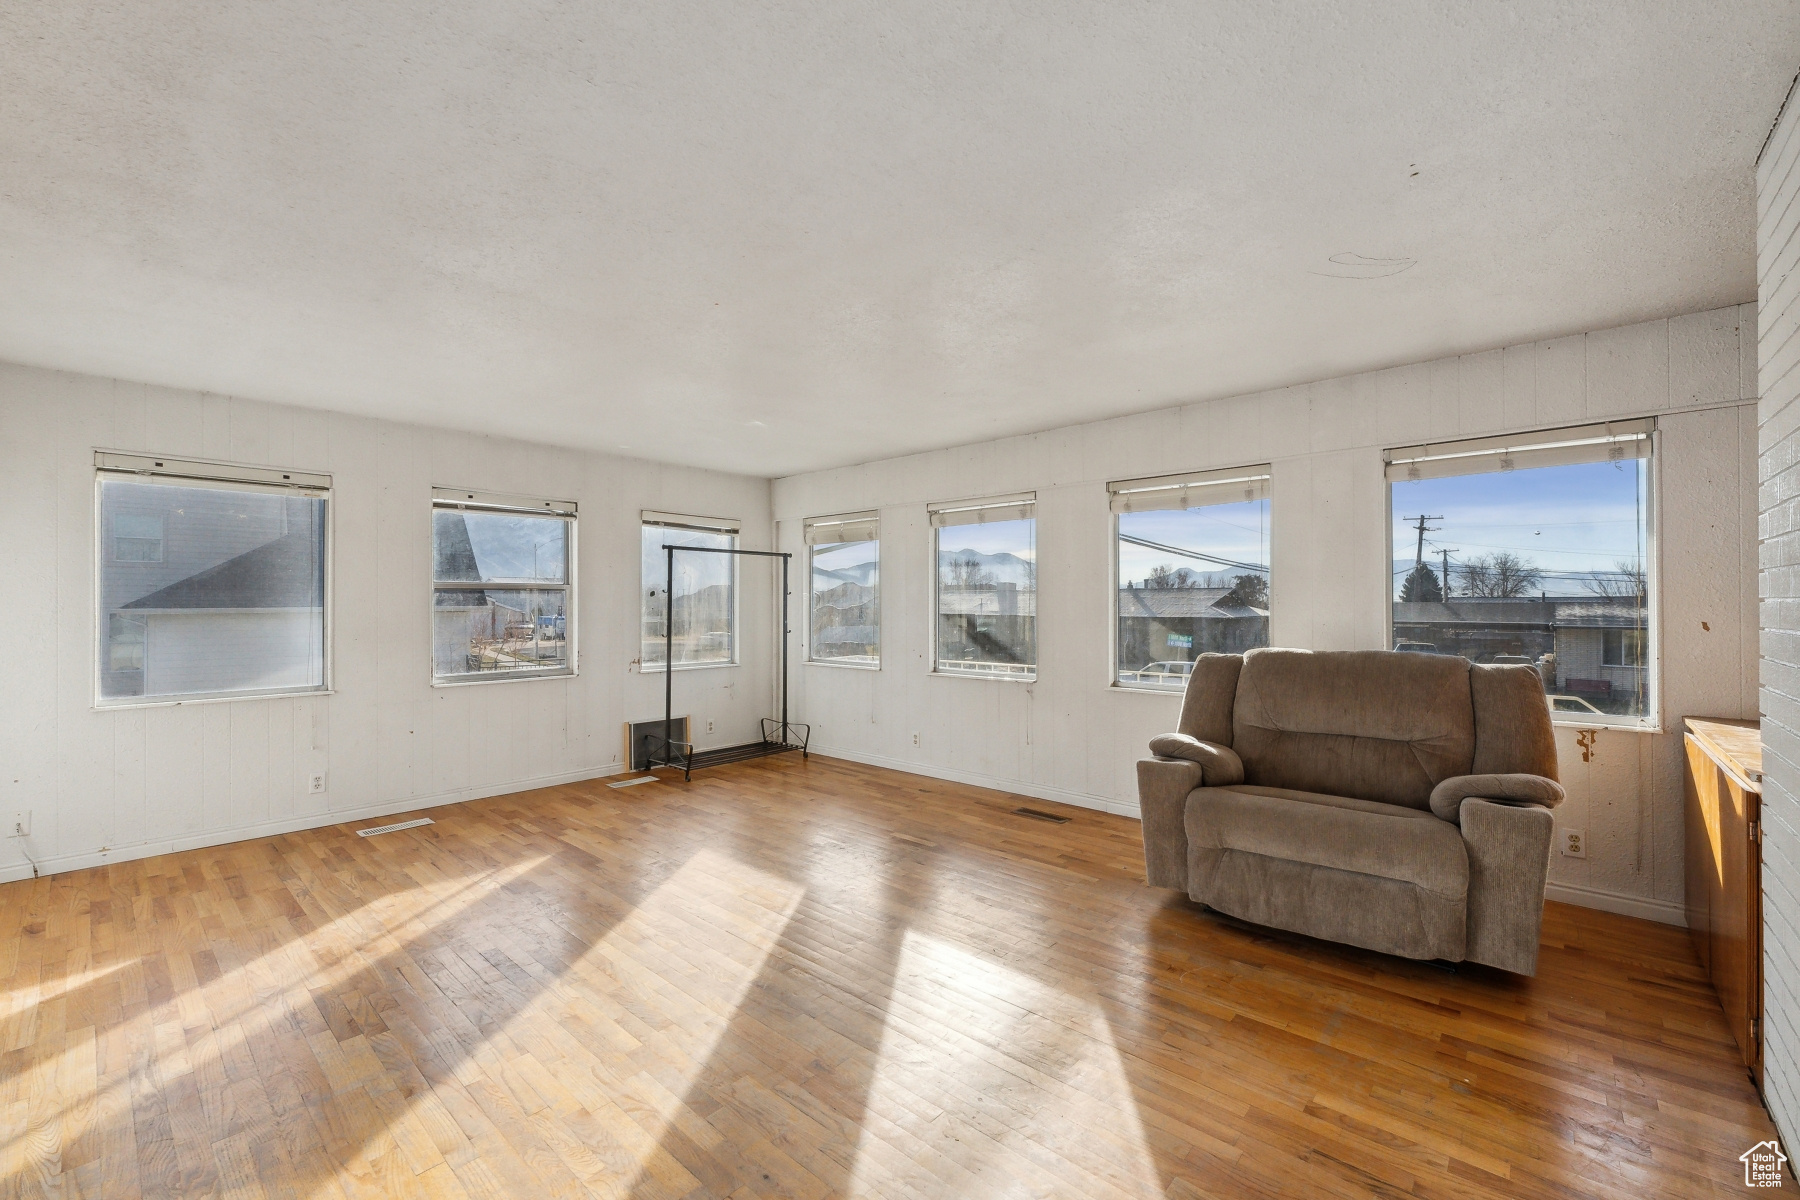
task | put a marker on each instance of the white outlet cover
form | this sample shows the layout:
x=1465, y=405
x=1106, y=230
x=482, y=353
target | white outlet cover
x=1574, y=843
x=316, y=783
x=20, y=825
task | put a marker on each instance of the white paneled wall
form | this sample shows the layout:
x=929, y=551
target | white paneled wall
x=1777, y=257
x=102, y=785
x=1071, y=736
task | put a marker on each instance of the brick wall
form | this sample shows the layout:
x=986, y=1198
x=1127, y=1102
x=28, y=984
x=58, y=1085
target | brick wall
x=1778, y=508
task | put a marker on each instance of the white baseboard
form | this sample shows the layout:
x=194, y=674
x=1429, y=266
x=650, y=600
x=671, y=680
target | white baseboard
x=1660, y=911
x=239, y=833
x=1037, y=791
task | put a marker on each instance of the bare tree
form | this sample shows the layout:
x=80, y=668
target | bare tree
x=967, y=573
x=1624, y=582
x=1500, y=574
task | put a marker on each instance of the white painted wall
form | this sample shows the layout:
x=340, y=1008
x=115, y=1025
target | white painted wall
x=1778, y=256
x=104, y=785
x=1071, y=736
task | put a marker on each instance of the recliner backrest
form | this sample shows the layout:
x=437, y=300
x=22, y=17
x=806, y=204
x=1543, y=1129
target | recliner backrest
x=1373, y=724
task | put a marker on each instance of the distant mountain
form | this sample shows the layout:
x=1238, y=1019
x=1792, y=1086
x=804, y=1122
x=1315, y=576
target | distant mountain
x=1004, y=567
x=858, y=573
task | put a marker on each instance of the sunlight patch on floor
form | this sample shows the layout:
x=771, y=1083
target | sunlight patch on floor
x=990, y=1083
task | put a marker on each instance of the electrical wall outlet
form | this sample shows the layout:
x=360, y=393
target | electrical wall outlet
x=316, y=783
x=709, y=726
x=915, y=739
x=1574, y=843
x=20, y=825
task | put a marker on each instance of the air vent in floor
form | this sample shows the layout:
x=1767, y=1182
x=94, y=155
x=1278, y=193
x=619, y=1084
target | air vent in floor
x=391, y=828
x=1040, y=815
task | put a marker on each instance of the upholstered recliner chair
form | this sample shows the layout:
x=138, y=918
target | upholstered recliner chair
x=1399, y=802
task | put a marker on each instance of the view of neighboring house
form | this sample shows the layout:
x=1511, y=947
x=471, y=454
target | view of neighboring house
x=993, y=623
x=702, y=626
x=489, y=628
x=210, y=589
x=1587, y=646
x=1175, y=624
x=844, y=622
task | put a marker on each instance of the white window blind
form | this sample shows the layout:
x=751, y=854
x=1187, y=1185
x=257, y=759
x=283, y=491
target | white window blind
x=1016, y=507
x=1195, y=489
x=500, y=502
x=705, y=524
x=1610, y=442
x=850, y=527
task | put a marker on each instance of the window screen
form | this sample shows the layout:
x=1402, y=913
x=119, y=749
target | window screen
x=1533, y=549
x=705, y=608
x=844, y=594
x=211, y=580
x=502, y=586
x=1193, y=555
x=986, y=586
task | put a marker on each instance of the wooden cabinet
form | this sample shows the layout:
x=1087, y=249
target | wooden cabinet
x=1724, y=869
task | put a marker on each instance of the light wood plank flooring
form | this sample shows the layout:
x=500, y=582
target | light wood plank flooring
x=808, y=979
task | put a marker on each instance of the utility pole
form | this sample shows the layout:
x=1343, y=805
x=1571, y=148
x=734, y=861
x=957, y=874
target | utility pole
x=1447, y=554
x=1419, y=558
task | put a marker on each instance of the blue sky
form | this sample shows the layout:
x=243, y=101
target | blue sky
x=1235, y=531
x=1565, y=520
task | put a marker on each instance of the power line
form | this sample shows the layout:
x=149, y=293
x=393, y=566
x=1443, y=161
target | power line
x=1194, y=554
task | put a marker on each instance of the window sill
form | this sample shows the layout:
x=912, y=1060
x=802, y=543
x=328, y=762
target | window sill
x=1570, y=721
x=228, y=698
x=681, y=667
x=456, y=681
x=992, y=676
x=842, y=666
x=1146, y=689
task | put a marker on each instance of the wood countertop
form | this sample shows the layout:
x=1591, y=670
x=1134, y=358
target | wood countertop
x=1736, y=745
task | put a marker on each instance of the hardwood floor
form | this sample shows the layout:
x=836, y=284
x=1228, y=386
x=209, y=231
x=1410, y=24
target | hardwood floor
x=792, y=979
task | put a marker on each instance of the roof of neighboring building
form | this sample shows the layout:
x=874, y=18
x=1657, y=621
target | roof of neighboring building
x=284, y=573
x=1541, y=612
x=986, y=601
x=1179, y=603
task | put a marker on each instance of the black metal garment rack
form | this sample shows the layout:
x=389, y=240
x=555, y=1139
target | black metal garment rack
x=777, y=735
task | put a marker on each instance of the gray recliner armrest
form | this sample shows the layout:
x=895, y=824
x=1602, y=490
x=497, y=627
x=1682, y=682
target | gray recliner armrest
x=1509, y=860
x=1221, y=764
x=1447, y=797
x=1163, y=787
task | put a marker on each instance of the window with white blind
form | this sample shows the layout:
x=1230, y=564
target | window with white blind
x=1193, y=571
x=844, y=553
x=705, y=586
x=1534, y=548
x=503, y=586
x=210, y=580
x=985, y=597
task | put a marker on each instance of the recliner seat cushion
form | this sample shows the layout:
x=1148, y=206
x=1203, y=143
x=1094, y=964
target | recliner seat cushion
x=1361, y=723
x=1349, y=870
x=1342, y=832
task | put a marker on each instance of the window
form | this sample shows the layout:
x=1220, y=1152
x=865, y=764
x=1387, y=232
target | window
x=1533, y=549
x=986, y=594
x=502, y=587
x=705, y=591
x=845, y=595
x=1193, y=571
x=210, y=580
x=137, y=537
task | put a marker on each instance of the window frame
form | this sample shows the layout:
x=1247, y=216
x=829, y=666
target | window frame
x=127, y=467
x=693, y=524
x=471, y=500
x=870, y=517
x=1014, y=500
x=1256, y=475
x=1561, y=441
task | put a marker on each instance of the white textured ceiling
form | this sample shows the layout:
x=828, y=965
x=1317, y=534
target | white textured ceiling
x=772, y=237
